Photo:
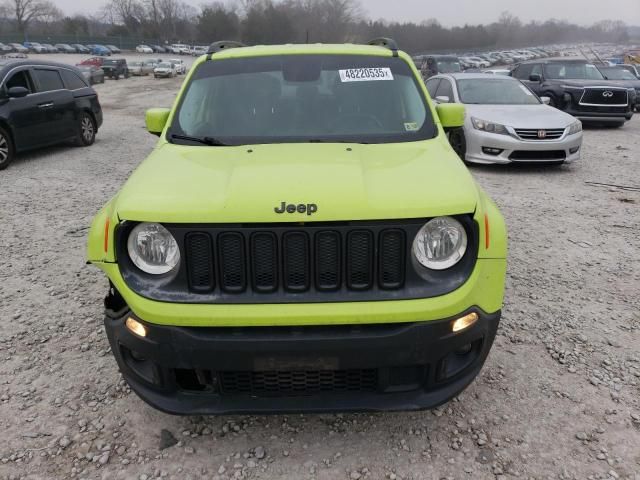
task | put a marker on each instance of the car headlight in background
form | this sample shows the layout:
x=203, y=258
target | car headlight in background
x=153, y=249
x=440, y=243
x=490, y=127
x=575, y=127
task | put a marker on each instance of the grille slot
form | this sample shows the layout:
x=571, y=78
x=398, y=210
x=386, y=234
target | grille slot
x=525, y=155
x=533, y=134
x=200, y=262
x=231, y=252
x=328, y=261
x=264, y=262
x=298, y=382
x=359, y=260
x=295, y=253
x=392, y=259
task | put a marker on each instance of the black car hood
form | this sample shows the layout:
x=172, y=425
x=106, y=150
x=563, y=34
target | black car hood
x=587, y=83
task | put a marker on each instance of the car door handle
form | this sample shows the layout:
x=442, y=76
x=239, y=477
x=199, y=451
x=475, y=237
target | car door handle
x=45, y=105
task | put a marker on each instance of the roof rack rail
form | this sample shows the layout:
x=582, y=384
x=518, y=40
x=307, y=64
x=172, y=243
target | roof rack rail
x=215, y=47
x=386, y=43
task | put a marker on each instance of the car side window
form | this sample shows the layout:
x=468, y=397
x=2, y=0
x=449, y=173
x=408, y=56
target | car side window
x=523, y=72
x=432, y=86
x=536, y=70
x=48, y=80
x=445, y=89
x=20, y=79
x=72, y=81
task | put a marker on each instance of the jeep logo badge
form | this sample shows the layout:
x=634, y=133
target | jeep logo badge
x=309, y=208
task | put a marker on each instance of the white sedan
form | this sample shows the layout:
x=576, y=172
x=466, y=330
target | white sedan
x=144, y=49
x=505, y=121
x=164, y=70
x=178, y=65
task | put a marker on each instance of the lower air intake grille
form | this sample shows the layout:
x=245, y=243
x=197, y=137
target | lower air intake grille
x=299, y=383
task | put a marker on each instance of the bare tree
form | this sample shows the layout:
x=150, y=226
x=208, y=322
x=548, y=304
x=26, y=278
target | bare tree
x=25, y=12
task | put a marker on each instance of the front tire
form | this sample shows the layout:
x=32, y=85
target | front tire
x=7, y=151
x=458, y=142
x=86, y=130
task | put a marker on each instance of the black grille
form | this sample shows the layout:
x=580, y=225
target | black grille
x=532, y=155
x=298, y=382
x=296, y=261
x=604, y=96
x=200, y=262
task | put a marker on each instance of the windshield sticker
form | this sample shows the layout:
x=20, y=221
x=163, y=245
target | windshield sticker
x=411, y=127
x=526, y=90
x=365, y=74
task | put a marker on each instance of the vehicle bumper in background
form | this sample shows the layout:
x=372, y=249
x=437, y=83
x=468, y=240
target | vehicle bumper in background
x=202, y=370
x=513, y=150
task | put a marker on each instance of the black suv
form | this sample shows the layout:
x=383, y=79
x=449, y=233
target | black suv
x=577, y=87
x=44, y=103
x=115, y=67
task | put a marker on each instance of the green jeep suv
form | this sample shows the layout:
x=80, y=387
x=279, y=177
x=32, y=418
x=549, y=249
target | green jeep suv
x=302, y=238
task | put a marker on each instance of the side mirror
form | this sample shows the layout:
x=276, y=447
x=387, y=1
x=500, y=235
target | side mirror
x=18, y=92
x=442, y=99
x=451, y=115
x=535, y=77
x=156, y=119
x=546, y=100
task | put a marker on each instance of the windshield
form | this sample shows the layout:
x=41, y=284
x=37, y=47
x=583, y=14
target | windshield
x=572, y=71
x=449, y=66
x=494, y=91
x=164, y=65
x=619, y=74
x=304, y=98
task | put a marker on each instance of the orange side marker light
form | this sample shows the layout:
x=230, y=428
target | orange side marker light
x=486, y=231
x=106, y=236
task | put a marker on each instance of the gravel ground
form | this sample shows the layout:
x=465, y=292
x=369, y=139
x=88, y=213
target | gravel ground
x=557, y=399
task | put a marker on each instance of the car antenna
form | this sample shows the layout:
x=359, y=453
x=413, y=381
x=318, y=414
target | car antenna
x=216, y=47
x=386, y=43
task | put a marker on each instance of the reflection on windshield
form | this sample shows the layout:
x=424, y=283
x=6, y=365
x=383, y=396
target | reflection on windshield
x=493, y=91
x=449, y=66
x=572, y=71
x=304, y=98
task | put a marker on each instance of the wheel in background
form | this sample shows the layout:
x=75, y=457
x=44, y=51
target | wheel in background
x=86, y=129
x=6, y=149
x=458, y=142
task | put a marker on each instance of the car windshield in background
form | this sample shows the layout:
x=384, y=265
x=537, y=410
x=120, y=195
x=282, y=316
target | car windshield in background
x=449, y=66
x=304, y=98
x=572, y=71
x=619, y=74
x=165, y=65
x=135, y=64
x=495, y=91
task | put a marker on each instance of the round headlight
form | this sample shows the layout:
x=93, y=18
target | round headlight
x=440, y=244
x=153, y=249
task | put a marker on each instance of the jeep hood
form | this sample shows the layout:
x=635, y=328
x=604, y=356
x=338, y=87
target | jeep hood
x=194, y=184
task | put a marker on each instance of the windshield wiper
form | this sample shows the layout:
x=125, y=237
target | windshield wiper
x=210, y=141
x=321, y=140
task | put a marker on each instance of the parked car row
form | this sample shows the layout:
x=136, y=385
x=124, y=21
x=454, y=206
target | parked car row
x=534, y=111
x=36, y=47
x=177, y=49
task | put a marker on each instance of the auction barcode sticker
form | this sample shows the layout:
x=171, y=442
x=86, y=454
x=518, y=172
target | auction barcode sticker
x=365, y=74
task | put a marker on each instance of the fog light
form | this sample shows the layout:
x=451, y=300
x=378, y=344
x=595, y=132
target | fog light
x=136, y=327
x=465, y=322
x=492, y=151
x=574, y=150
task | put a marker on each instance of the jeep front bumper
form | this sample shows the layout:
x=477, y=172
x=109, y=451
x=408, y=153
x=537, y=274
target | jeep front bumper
x=204, y=370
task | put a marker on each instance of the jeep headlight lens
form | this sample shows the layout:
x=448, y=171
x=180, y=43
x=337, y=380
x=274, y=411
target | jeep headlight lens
x=153, y=249
x=490, y=127
x=575, y=127
x=440, y=243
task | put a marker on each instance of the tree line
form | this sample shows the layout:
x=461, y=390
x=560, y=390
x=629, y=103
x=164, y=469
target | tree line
x=295, y=21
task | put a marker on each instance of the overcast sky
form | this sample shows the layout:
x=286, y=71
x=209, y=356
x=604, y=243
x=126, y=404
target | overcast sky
x=458, y=12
